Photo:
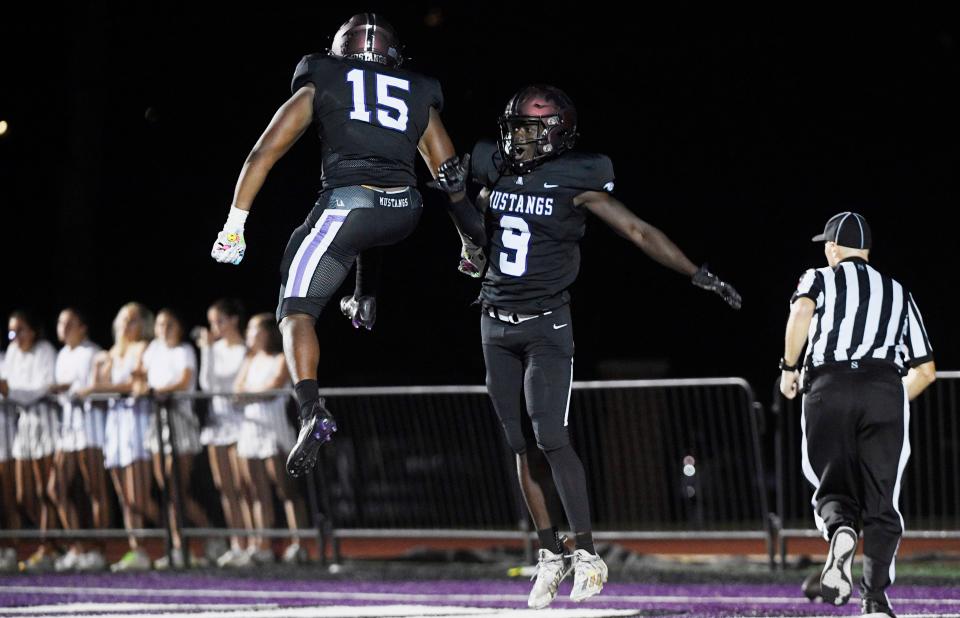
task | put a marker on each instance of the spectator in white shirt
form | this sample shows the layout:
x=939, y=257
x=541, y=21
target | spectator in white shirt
x=80, y=447
x=124, y=448
x=267, y=436
x=171, y=367
x=222, y=351
x=9, y=513
x=28, y=368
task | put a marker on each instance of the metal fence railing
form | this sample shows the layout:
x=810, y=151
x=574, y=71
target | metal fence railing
x=664, y=459
x=930, y=495
x=672, y=457
x=162, y=408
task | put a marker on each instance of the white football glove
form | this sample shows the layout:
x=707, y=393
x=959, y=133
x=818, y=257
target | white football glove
x=230, y=246
x=473, y=261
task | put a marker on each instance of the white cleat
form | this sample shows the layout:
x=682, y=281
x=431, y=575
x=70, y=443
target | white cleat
x=67, y=562
x=92, y=560
x=551, y=569
x=589, y=575
x=836, y=582
x=133, y=560
x=235, y=559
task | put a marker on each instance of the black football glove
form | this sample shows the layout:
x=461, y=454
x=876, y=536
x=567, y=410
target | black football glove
x=705, y=279
x=452, y=175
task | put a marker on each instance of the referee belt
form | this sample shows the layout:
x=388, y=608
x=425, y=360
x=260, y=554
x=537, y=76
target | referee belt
x=865, y=365
x=510, y=316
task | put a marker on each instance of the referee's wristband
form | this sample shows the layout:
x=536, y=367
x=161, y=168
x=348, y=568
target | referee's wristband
x=785, y=367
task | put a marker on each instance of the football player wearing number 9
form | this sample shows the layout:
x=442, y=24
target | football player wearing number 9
x=372, y=118
x=536, y=193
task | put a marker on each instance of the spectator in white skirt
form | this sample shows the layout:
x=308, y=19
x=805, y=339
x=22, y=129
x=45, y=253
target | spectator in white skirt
x=171, y=367
x=222, y=351
x=80, y=446
x=266, y=437
x=124, y=448
x=9, y=514
x=29, y=368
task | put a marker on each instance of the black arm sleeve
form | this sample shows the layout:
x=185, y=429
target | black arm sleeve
x=469, y=220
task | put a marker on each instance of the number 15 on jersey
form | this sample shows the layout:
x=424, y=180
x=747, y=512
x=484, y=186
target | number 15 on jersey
x=396, y=120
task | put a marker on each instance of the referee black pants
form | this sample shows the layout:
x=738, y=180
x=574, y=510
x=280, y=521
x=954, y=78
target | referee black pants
x=855, y=448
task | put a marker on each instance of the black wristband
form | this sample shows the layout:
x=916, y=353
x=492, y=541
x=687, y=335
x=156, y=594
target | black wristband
x=785, y=367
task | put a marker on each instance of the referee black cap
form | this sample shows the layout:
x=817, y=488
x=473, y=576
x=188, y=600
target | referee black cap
x=847, y=229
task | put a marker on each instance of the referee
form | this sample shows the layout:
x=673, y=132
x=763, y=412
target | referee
x=868, y=354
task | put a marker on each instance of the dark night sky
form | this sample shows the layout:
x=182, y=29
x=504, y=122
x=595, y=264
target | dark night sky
x=738, y=140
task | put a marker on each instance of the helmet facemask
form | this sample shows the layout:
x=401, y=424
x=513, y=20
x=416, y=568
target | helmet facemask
x=539, y=123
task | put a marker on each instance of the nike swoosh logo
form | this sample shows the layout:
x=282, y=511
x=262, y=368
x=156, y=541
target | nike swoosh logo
x=547, y=185
x=555, y=327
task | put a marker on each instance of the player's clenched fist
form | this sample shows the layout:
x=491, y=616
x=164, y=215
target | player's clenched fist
x=230, y=246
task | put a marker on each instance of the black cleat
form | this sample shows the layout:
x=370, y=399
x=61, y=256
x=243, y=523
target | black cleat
x=836, y=583
x=315, y=430
x=811, y=588
x=876, y=608
x=362, y=311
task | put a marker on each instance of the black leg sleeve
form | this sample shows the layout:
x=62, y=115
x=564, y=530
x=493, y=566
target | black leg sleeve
x=369, y=265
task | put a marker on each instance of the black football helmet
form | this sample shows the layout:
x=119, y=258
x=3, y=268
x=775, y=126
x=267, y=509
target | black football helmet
x=367, y=36
x=543, y=119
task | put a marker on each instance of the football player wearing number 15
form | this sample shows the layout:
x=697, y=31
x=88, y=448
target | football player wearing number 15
x=372, y=117
x=536, y=193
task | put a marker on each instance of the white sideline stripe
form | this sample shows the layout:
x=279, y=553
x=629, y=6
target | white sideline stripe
x=387, y=611
x=379, y=611
x=127, y=607
x=413, y=598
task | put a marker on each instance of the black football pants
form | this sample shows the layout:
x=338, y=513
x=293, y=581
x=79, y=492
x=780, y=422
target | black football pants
x=344, y=223
x=530, y=370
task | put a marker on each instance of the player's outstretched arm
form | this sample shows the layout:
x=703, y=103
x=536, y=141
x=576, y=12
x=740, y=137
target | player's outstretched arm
x=654, y=243
x=649, y=239
x=286, y=127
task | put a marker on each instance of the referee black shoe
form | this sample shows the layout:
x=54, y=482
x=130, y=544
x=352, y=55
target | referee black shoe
x=811, y=588
x=315, y=430
x=876, y=608
x=362, y=310
x=836, y=582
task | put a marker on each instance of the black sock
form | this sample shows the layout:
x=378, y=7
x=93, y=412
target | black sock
x=571, y=484
x=550, y=539
x=585, y=541
x=307, y=392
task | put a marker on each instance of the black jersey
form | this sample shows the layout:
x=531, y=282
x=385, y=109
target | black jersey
x=534, y=227
x=370, y=118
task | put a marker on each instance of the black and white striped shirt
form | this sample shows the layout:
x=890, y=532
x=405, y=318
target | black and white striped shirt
x=862, y=314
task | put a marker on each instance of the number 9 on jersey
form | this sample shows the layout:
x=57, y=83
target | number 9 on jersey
x=516, y=236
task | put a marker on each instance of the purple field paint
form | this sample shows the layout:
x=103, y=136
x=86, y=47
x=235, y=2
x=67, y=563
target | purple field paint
x=688, y=600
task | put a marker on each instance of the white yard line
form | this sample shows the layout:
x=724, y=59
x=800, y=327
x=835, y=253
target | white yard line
x=402, y=597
